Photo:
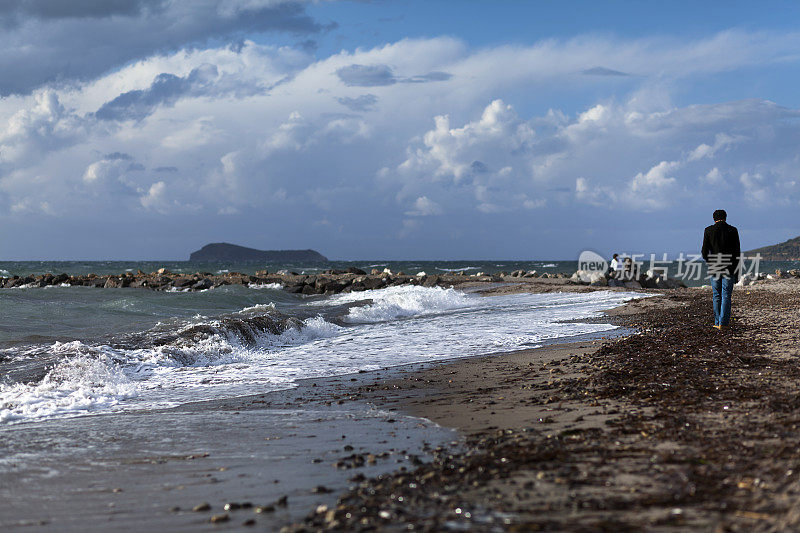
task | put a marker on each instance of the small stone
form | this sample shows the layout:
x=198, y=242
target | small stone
x=205, y=506
x=249, y=522
x=265, y=509
x=219, y=518
x=232, y=506
x=321, y=489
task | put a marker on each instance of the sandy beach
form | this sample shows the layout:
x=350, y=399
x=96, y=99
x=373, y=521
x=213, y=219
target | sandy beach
x=679, y=425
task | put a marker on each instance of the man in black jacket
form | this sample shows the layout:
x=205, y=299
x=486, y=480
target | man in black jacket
x=722, y=253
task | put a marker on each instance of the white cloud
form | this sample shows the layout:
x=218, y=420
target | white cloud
x=267, y=131
x=423, y=206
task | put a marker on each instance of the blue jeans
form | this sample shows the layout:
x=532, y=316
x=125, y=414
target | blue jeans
x=722, y=287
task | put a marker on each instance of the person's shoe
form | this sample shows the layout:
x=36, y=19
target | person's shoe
x=715, y=326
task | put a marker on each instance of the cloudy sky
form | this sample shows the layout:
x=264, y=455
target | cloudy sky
x=394, y=129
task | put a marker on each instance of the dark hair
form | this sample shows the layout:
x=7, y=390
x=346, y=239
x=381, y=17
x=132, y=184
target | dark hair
x=615, y=255
x=720, y=214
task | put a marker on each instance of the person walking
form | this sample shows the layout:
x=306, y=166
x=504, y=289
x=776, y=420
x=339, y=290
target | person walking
x=722, y=252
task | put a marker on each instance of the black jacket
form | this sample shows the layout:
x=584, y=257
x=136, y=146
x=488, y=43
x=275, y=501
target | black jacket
x=722, y=238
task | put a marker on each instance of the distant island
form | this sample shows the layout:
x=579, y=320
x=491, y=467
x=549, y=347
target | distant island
x=785, y=251
x=222, y=251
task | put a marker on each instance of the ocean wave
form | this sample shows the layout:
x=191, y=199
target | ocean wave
x=5, y=273
x=464, y=269
x=89, y=378
x=85, y=382
x=401, y=302
x=271, y=286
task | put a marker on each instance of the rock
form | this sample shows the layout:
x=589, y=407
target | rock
x=219, y=518
x=357, y=271
x=387, y=271
x=162, y=271
x=430, y=281
x=321, y=489
x=308, y=290
x=599, y=281
x=632, y=285
x=112, y=283
x=265, y=509
x=375, y=271
x=374, y=283
x=202, y=285
x=205, y=506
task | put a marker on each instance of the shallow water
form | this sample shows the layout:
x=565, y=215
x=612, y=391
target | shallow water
x=78, y=350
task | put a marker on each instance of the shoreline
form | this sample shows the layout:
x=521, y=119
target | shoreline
x=136, y=482
x=676, y=426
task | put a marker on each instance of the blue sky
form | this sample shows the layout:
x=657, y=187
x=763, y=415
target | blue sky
x=396, y=130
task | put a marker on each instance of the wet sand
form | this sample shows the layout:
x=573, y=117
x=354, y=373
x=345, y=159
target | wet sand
x=276, y=455
x=679, y=427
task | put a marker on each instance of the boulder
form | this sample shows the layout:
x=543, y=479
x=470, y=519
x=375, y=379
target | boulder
x=374, y=283
x=583, y=276
x=598, y=280
x=308, y=289
x=202, y=285
x=430, y=281
x=357, y=271
x=295, y=288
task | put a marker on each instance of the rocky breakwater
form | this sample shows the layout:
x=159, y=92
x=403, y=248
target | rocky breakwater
x=327, y=282
x=650, y=280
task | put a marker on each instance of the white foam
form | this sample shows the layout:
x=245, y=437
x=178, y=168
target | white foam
x=397, y=325
x=464, y=269
x=271, y=286
x=402, y=301
x=78, y=385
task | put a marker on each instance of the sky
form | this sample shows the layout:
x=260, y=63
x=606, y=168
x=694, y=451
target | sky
x=464, y=129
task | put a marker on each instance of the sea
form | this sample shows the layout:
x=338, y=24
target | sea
x=105, y=389
x=67, y=351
